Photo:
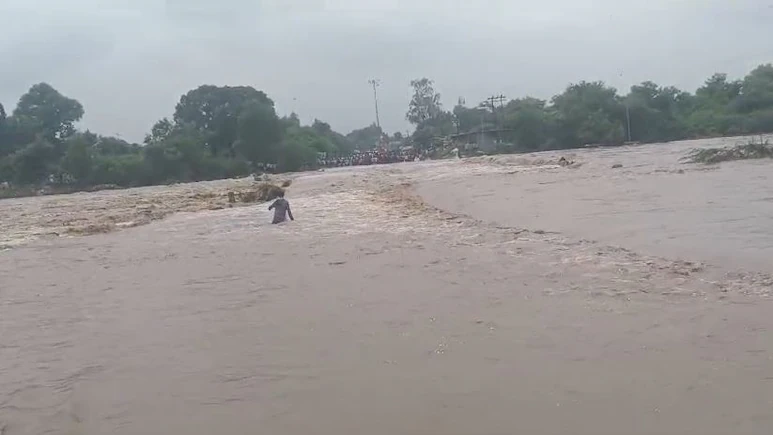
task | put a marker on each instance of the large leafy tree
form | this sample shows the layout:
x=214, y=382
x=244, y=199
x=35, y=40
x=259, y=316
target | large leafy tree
x=78, y=160
x=425, y=102
x=33, y=163
x=467, y=119
x=215, y=111
x=658, y=113
x=259, y=131
x=589, y=113
x=180, y=156
x=528, y=123
x=441, y=124
x=48, y=112
x=297, y=150
x=757, y=90
x=717, y=92
x=160, y=131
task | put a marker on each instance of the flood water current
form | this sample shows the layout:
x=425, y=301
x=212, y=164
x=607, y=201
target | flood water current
x=494, y=295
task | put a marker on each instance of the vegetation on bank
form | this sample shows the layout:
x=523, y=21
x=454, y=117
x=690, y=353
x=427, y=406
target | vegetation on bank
x=231, y=131
x=593, y=113
x=754, y=149
x=215, y=132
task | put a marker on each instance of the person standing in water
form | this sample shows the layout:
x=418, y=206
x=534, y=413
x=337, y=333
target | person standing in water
x=281, y=209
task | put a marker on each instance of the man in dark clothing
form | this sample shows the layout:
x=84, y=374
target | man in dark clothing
x=281, y=208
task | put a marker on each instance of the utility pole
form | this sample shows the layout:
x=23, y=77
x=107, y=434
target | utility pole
x=491, y=100
x=294, y=107
x=495, y=99
x=628, y=119
x=627, y=115
x=375, y=83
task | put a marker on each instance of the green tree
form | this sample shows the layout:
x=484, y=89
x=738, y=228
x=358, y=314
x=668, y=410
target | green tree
x=113, y=146
x=756, y=90
x=51, y=114
x=425, y=103
x=365, y=138
x=717, y=92
x=588, y=113
x=217, y=131
x=215, y=111
x=259, y=133
x=468, y=119
x=78, y=160
x=341, y=144
x=4, y=139
x=322, y=128
x=528, y=123
x=442, y=124
x=7, y=170
x=658, y=113
x=179, y=157
x=295, y=153
x=32, y=164
x=3, y=121
x=18, y=133
x=291, y=121
x=124, y=170
x=160, y=131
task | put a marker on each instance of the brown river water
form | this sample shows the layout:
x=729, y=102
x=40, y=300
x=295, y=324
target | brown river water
x=511, y=296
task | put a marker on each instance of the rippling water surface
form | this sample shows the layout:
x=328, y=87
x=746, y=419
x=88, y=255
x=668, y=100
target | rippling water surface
x=654, y=204
x=519, y=297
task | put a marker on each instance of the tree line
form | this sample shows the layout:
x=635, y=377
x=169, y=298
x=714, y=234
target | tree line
x=229, y=131
x=215, y=132
x=594, y=113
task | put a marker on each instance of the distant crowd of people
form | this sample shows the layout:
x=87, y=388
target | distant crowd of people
x=374, y=157
x=266, y=167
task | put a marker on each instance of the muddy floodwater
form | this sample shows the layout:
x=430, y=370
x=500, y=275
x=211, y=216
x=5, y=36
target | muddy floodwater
x=495, y=296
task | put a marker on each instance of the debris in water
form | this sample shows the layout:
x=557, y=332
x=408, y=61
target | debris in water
x=752, y=150
x=264, y=192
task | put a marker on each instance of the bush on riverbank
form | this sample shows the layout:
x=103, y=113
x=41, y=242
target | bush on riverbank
x=754, y=149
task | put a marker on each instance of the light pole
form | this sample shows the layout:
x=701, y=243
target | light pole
x=375, y=83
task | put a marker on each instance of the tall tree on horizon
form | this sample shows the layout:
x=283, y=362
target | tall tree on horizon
x=425, y=103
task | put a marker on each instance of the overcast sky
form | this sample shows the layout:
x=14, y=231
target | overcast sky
x=128, y=61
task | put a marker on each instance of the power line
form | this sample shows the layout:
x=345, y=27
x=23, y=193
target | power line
x=496, y=99
x=490, y=103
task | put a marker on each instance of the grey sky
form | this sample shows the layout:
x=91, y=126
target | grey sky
x=128, y=61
